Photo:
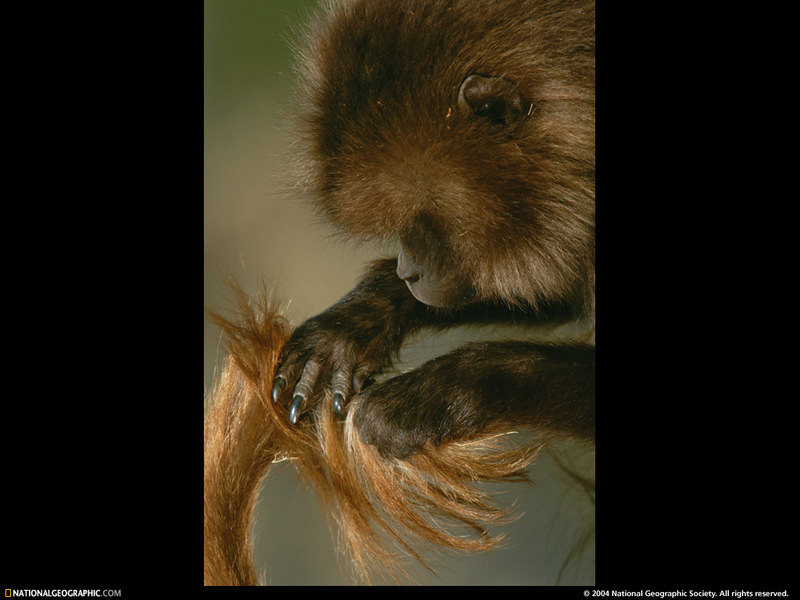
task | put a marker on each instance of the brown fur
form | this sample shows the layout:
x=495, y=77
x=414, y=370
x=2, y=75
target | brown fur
x=493, y=208
x=382, y=509
x=385, y=143
x=465, y=132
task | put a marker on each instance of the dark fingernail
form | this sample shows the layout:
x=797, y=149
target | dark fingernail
x=280, y=383
x=294, y=409
x=338, y=405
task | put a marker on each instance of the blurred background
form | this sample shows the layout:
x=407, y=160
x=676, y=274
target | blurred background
x=256, y=231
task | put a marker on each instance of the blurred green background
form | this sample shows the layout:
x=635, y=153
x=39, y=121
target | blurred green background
x=256, y=230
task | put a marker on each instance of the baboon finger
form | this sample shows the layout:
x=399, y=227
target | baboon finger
x=304, y=389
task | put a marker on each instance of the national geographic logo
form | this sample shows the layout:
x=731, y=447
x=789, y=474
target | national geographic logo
x=59, y=593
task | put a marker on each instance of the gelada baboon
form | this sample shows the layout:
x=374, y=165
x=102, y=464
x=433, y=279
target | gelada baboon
x=465, y=131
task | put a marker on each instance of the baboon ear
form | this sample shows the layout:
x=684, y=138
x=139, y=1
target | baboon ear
x=495, y=99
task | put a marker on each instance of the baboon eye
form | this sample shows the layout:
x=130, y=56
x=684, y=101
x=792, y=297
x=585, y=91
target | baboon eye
x=495, y=99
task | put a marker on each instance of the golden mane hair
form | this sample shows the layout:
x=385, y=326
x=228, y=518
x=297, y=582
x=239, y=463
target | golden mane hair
x=382, y=510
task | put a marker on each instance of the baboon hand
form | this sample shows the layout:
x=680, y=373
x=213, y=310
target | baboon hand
x=426, y=407
x=329, y=352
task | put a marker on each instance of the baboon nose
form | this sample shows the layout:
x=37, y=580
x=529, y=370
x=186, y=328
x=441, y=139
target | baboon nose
x=406, y=269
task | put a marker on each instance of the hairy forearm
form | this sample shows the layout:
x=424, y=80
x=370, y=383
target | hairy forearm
x=479, y=388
